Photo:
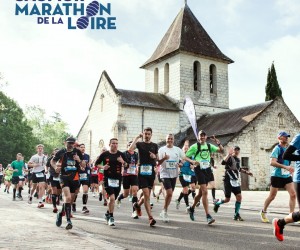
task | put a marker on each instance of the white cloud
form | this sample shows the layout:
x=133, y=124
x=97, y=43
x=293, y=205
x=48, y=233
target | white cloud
x=289, y=11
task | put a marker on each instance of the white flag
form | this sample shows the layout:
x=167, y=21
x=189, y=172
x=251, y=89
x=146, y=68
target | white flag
x=189, y=109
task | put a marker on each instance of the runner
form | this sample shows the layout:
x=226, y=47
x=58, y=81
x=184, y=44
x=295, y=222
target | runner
x=17, y=176
x=38, y=164
x=202, y=151
x=102, y=193
x=231, y=181
x=130, y=179
x=162, y=189
x=1, y=174
x=68, y=162
x=94, y=179
x=147, y=158
x=7, y=177
x=112, y=162
x=280, y=176
x=169, y=158
x=292, y=153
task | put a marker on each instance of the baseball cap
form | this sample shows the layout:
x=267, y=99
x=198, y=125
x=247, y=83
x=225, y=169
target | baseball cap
x=202, y=132
x=236, y=148
x=283, y=133
x=71, y=139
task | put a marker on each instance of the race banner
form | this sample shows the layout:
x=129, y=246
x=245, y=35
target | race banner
x=189, y=109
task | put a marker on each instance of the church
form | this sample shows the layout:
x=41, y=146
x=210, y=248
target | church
x=187, y=62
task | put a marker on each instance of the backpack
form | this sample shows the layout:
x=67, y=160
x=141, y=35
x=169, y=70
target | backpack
x=199, y=148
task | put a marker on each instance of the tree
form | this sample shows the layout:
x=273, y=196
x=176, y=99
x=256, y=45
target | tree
x=51, y=132
x=15, y=133
x=272, y=88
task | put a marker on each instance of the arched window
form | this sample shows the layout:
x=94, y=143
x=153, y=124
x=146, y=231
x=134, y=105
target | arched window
x=212, y=79
x=281, y=121
x=156, y=80
x=101, y=144
x=197, y=75
x=166, y=78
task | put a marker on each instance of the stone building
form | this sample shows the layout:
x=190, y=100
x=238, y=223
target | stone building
x=187, y=63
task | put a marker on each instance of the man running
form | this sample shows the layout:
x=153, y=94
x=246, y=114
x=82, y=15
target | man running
x=38, y=164
x=202, y=151
x=231, y=181
x=292, y=153
x=112, y=162
x=68, y=162
x=130, y=179
x=17, y=181
x=147, y=158
x=280, y=176
x=7, y=177
x=169, y=157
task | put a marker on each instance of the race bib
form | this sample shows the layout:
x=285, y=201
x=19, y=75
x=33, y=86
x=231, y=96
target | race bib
x=235, y=183
x=171, y=164
x=56, y=178
x=187, y=178
x=39, y=175
x=70, y=168
x=131, y=169
x=204, y=164
x=21, y=177
x=146, y=170
x=83, y=176
x=113, y=183
x=284, y=172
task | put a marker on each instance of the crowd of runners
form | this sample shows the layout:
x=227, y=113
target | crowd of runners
x=114, y=175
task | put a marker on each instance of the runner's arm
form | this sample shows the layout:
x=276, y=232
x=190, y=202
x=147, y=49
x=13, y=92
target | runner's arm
x=289, y=154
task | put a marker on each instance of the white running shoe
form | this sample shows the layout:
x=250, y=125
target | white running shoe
x=164, y=216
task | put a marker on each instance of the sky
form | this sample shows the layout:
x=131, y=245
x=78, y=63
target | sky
x=58, y=69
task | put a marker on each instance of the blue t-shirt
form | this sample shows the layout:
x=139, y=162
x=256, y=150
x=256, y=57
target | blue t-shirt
x=280, y=172
x=296, y=143
x=186, y=169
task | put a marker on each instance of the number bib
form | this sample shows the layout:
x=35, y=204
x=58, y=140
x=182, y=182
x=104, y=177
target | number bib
x=234, y=183
x=56, y=179
x=204, y=164
x=170, y=164
x=39, y=175
x=70, y=166
x=131, y=169
x=83, y=176
x=146, y=170
x=187, y=178
x=114, y=183
x=284, y=172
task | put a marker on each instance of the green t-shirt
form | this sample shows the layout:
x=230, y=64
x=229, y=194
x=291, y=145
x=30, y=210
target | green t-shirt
x=203, y=155
x=19, y=166
x=8, y=174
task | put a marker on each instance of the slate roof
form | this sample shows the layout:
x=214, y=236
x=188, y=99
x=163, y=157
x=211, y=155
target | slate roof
x=146, y=99
x=224, y=125
x=186, y=34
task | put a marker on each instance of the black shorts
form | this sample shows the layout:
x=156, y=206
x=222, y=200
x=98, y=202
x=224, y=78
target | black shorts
x=146, y=181
x=228, y=189
x=204, y=176
x=37, y=177
x=278, y=182
x=55, y=183
x=84, y=183
x=94, y=179
x=169, y=183
x=15, y=180
x=66, y=181
x=130, y=180
x=110, y=190
x=29, y=176
x=185, y=183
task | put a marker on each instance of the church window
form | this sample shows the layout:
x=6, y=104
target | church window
x=156, y=80
x=212, y=79
x=166, y=78
x=101, y=144
x=280, y=119
x=197, y=75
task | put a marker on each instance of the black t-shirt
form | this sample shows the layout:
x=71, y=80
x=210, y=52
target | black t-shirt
x=144, y=154
x=115, y=169
x=232, y=167
x=68, y=165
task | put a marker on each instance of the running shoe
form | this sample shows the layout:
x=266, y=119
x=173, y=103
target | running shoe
x=69, y=225
x=237, y=217
x=29, y=200
x=118, y=204
x=74, y=207
x=137, y=209
x=55, y=210
x=191, y=212
x=187, y=209
x=198, y=204
x=277, y=230
x=40, y=205
x=152, y=222
x=85, y=210
x=106, y=217
x=177, y=204
x=111, y=222
x=58, y=219
x=210, y=220
x=100, y=196
x=216, y=208
x=20, y=197
x=164, y=216
x=36, y=195
x=94, y=194
x=7, y=191
x=215, y=201
x=134, y=215
x=263, y=217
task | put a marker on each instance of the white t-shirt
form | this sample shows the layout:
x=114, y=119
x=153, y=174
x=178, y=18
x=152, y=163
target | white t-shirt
x=169, y=168
x=41, y=160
